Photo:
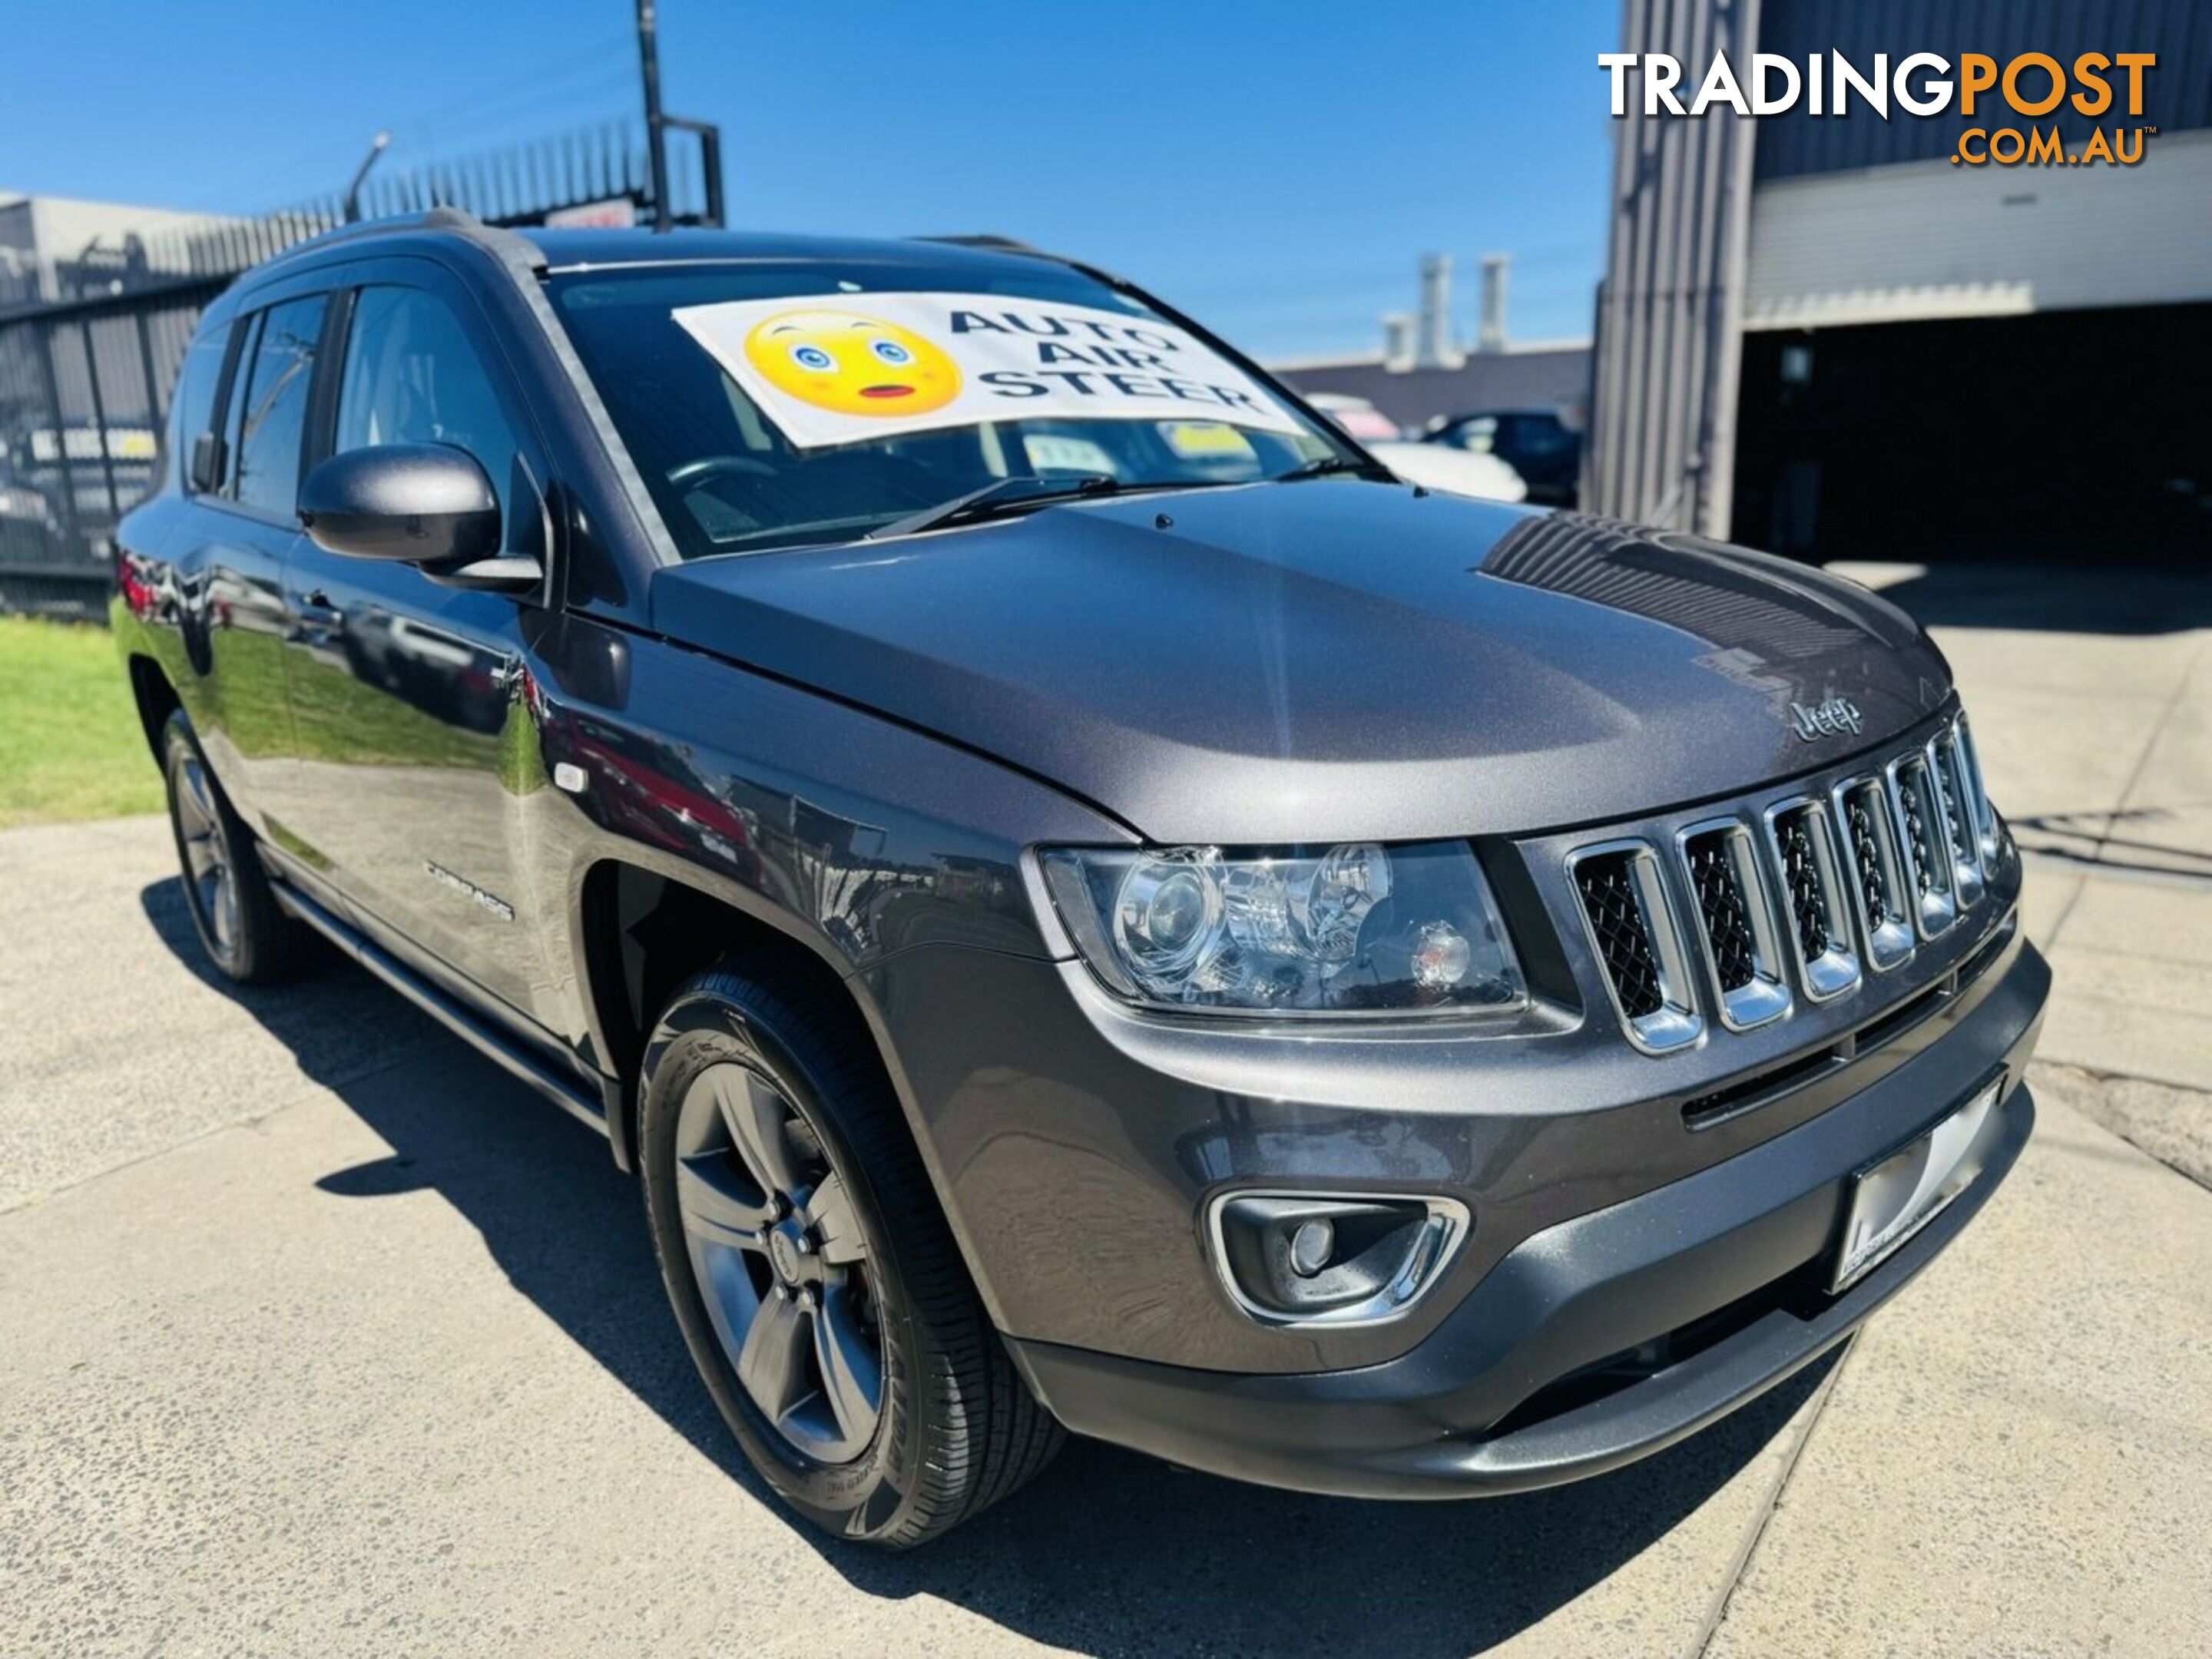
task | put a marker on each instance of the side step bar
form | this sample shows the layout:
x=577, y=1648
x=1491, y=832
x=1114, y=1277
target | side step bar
x=571, y=1096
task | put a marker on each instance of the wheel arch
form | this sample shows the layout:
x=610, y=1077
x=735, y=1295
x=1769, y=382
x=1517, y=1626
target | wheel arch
x=155, y=698
x=708, y=917
x=643, y=923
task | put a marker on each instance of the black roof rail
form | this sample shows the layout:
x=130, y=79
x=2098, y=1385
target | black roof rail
x=505, y=244
x=987, y=239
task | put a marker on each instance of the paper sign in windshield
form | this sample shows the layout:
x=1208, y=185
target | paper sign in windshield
x=840, y=369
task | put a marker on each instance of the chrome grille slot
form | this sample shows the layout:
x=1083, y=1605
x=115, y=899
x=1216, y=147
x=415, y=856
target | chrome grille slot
x=1979, y=811
x=1608, y=886
x=1624, y=906
x=1815, y=897
x=1734, y=923
x=1802, y=881
x=1920, y=831
x=1878, y=868
x=1960, y=839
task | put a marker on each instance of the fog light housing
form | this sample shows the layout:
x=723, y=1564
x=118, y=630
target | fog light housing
x=1332, y=1259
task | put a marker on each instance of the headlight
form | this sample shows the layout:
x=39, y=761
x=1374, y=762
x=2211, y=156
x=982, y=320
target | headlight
x=1353, y=929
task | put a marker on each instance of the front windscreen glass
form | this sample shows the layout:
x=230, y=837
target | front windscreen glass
x=783, y=404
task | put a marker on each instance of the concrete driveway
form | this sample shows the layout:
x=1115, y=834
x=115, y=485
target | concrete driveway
x=317, y=1336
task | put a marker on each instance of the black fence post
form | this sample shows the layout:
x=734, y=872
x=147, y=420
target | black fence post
x=45, y=358
x=99, y=419
x=154, y=411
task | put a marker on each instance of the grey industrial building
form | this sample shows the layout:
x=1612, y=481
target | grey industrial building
x=1823, y=336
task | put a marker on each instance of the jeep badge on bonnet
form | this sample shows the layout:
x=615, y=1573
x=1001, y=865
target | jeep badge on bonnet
x=1823, y=719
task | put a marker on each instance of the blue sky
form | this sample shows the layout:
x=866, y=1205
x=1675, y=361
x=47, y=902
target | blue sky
x=1277, y=169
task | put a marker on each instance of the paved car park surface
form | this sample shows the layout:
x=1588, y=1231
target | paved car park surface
x=318, y=1336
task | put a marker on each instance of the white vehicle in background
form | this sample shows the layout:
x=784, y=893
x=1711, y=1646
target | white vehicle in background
x=1455, y=471
x=1358, y=416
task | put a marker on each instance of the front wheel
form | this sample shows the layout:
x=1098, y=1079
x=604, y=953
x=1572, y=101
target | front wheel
x=816, y=1284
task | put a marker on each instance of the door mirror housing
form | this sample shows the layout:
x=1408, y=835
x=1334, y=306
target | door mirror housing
x=423, y=504
x=205, y=472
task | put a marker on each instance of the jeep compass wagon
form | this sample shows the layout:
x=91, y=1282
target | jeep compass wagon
x=1087, y=903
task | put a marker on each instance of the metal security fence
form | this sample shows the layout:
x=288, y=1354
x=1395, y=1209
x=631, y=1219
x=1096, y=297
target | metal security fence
x=84, y=385
x=90, y=345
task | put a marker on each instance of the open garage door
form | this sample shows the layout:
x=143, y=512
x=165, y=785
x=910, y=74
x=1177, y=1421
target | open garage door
x=2079, y=434
x=1924, y=239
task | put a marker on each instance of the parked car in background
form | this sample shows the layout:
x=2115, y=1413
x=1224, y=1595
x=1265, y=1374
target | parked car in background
x=1535, y=443
x=1457, y=472
x=1356, y=416
x=1086, y=901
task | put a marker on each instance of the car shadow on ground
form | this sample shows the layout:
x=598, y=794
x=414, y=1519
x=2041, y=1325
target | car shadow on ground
x=1108, y=1552
x=2115, y=842
x=2105, y=597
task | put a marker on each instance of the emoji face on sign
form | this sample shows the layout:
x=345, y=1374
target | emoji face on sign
x=851, y=364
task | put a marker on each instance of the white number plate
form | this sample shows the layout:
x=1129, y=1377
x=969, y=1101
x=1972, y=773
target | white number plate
x=1893, y=1199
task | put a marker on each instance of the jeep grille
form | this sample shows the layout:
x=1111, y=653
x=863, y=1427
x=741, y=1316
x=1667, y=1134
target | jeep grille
x=1804, y=898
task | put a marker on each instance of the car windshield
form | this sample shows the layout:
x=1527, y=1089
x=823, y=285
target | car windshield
x=782, y=403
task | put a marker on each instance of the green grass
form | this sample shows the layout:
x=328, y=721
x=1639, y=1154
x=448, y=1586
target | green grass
x=71, y=747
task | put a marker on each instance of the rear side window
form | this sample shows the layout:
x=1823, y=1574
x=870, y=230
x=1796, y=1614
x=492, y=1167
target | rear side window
x=411, y=377
x=195, y=403
x=273, y=419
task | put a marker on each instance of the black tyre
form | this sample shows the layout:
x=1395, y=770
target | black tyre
x=243, y=932
x=816, y=1281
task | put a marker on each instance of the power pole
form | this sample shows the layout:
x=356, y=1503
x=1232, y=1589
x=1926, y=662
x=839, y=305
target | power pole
x=656, y=125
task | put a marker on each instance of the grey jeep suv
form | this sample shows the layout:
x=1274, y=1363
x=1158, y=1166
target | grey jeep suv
x=1086, y=902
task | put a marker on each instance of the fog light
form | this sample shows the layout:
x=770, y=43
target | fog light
x=1314, y=1258
x=1311, y=1247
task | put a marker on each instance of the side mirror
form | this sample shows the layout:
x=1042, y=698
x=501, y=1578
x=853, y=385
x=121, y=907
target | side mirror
x=206, y=469
x=426, y=504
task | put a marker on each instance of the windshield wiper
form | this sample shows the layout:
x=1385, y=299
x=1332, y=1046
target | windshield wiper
x=1325, y=466
x=1024, y=489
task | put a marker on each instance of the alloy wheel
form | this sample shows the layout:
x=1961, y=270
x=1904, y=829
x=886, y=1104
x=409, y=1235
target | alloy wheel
x=780, y=1260
x=210, y=872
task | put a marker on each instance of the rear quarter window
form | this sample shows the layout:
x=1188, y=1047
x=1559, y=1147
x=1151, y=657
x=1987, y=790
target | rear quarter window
x=194, y=413
x=273, y=425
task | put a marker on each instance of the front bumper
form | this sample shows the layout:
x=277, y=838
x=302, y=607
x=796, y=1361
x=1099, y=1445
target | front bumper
x=1606, y=1336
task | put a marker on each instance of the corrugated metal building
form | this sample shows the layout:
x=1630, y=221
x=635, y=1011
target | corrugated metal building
x=1822, y=334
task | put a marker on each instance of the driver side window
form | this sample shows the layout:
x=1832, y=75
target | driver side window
x=412, y=377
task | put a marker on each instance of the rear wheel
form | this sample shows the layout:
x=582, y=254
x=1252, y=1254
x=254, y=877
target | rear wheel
x=815, y=1282
x=247, y=937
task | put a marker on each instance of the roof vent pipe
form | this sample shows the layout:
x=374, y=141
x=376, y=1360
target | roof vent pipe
x=1398, y=343
x=1490, y=328
x=1433, y=347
